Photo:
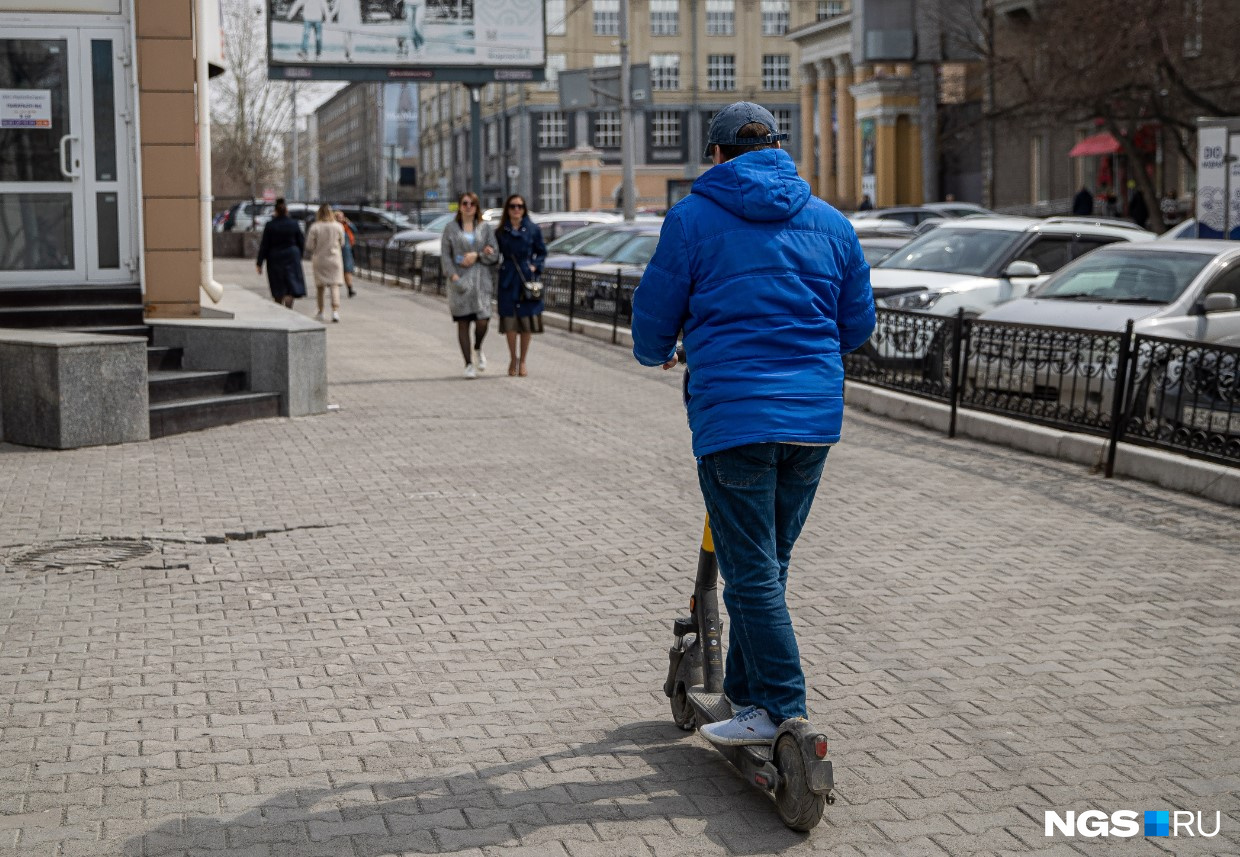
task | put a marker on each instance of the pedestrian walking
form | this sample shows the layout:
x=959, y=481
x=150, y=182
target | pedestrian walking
x=325, y=243
x=281, y=247
x=770, y=287
x=313, y=14
x=469, y=254
x=349, y=19
x=1169, y=207
x=522, y=253
x=1083, y=202
x=866, y=203
x=1137, y=209
x=346, y=252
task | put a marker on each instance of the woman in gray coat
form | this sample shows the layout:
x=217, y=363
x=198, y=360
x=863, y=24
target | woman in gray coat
x=468, y=255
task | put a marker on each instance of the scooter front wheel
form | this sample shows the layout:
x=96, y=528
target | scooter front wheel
x=798, y=807
x=688, y=674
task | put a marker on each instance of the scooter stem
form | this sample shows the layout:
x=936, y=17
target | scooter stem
x=706, y=611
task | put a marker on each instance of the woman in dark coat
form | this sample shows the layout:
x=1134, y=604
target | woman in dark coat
x=281, y=248
x=522, y=254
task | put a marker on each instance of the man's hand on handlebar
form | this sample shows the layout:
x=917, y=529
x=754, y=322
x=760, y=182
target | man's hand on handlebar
x=679, y=358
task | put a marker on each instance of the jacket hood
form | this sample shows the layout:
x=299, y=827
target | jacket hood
x=760, y=186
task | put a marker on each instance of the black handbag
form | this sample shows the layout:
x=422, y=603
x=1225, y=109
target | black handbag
x=531, y=290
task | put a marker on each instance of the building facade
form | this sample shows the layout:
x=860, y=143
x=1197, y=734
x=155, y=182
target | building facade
x=99, y=162
x=365, y=134
x=703, y=55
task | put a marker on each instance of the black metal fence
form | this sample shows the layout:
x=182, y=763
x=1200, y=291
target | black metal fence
x=1166, y=393
x=603, y=296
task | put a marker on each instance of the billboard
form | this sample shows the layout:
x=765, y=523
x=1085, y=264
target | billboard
x=472, y=41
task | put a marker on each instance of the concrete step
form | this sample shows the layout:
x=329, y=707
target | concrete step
x=180, y=385
x=163, y=357
x=112, y=330
x=77, y=315
x=53, y=296
x=194, y=414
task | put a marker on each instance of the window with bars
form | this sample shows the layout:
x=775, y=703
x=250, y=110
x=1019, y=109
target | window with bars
x=774, y=17
x=606, y=17
x=783, y=118
x=826, y=9
x=721, y=72
x=665, y=128
x=607, y=130
x=556, y=63
x=664, y=17
x=552, y=130
x=720, y=17
x=550, y=189
x=556, y=15
x=664, y=72
x=776, y=74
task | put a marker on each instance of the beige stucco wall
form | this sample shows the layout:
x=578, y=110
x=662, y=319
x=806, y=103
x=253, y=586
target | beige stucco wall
x=168, y=140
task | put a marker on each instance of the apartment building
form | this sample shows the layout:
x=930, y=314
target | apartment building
x=703, y=55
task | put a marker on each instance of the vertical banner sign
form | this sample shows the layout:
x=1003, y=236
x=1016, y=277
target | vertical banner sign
x=869, y=182
x=1211, y=179
x=1234, y=154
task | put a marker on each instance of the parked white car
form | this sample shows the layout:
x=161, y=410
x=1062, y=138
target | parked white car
x=979, y=263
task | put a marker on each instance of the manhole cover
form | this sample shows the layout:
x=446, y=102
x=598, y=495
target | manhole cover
x=78, y=554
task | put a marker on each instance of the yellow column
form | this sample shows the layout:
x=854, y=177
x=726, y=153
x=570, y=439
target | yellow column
x=826, y=134
x=847, y=190
x=886, y=163
x=807, y=123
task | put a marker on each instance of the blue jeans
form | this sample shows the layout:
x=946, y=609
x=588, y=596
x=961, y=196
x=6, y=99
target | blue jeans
x=306, y=27
x=758, y=498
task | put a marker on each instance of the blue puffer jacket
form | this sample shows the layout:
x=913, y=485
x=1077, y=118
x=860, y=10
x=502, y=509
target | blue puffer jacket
x=770, y=287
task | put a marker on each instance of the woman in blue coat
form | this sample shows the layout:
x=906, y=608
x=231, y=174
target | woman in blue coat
x=522, y=254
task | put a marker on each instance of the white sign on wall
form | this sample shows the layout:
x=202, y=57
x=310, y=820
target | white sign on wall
x=26, y=108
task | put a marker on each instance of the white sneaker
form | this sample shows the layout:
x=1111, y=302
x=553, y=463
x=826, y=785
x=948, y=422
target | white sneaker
x=318, y=316
x=481, y=361
x=470, y=372
x=750, y=726
x=335, y=316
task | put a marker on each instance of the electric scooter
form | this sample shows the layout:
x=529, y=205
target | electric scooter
x=794, y=768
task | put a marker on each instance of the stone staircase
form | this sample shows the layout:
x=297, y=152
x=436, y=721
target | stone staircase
x=181, y=400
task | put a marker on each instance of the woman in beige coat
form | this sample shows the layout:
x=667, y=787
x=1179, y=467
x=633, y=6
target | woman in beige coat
x=324, y=243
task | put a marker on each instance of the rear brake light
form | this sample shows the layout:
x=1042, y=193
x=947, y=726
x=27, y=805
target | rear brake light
x=820, y=747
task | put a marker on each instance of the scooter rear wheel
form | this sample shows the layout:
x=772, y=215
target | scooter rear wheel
x=688, y=674
x=798, y=807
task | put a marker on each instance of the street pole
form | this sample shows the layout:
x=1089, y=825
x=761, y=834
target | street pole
x=292, y=191
x=475, y=136
x=627, y=186
x=693, y=162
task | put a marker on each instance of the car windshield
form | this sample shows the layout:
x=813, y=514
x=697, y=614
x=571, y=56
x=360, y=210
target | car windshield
x=440, y=223
x=570, y=242
x=1125, y=276
x=636, y=252
x=873, y=255
x=604, y=244
x=974, y=252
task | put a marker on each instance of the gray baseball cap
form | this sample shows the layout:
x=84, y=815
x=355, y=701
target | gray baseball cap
x=733, y=118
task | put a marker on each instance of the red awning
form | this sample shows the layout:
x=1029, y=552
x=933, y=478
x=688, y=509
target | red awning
x=1098, y=144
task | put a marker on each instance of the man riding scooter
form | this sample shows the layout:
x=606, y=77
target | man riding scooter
x=770, y=287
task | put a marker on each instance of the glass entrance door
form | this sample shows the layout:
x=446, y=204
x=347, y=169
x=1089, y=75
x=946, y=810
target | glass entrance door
x=66, y=204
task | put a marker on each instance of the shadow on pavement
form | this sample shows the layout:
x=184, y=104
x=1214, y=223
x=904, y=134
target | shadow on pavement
x=678, y=778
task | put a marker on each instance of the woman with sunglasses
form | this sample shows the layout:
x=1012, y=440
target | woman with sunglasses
x=467, y=252
x=522, y=254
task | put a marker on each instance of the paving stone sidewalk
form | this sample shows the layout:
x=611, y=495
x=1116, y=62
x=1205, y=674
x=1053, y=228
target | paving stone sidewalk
x=435, y=621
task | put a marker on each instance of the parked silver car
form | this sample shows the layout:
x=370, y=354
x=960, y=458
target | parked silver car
x=1178, y=289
